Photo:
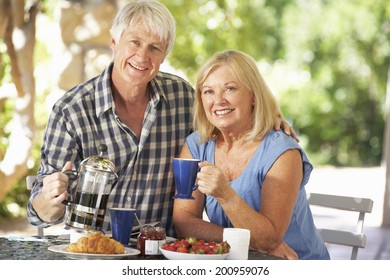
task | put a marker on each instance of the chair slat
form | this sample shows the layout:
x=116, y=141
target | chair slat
x=356, y=204
x=360, y=205
x=343, y=237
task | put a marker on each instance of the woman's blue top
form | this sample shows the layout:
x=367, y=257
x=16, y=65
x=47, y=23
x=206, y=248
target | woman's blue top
x=301, y=235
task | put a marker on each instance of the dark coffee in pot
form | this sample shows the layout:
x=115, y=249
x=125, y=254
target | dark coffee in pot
x=91, y=200
x=89, y=212
x=95, y=179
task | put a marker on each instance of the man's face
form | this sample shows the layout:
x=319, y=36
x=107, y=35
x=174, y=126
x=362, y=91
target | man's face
x=138, y=55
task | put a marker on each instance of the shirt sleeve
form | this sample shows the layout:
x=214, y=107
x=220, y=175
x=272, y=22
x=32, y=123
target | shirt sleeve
x=275, y=145
x=58, y=147
x=202, y=151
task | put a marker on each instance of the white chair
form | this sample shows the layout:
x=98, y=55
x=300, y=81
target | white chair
x=355, y=239
x=29, y=182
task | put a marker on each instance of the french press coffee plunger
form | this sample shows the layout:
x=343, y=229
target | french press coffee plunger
x=95, y=179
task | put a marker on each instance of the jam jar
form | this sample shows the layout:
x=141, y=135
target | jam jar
x=150, y=240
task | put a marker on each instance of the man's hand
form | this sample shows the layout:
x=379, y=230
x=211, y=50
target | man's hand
x=280, y=123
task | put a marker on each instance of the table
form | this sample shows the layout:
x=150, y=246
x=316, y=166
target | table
x=36, y=248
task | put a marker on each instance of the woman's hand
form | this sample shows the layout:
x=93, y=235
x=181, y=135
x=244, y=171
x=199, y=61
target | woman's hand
x=284, y=251
x=211, y=180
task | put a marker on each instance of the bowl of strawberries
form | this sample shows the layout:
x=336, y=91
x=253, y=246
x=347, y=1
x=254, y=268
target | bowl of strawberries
x=195, y=249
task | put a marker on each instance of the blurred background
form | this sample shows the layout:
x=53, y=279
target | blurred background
x=327, y=62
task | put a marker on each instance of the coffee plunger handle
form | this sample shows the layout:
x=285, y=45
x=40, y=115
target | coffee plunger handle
x=102, y=148
x=72, y=174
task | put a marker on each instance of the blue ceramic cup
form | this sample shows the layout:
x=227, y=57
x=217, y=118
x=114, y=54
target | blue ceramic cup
x=185, y=171
x=122, y=220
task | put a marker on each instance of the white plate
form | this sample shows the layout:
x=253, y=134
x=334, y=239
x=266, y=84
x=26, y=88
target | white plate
x=187, y=256
x=80, y=256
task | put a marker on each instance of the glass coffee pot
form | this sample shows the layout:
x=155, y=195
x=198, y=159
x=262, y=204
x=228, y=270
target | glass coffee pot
x=95, y=179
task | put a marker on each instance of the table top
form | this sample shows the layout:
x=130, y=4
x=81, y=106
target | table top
x=36, y=248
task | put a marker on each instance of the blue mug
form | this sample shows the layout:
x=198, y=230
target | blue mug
x=122, y=221
x=185, y=171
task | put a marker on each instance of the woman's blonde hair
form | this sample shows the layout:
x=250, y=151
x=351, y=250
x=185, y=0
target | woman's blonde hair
x=244, y=67
x=155, y=17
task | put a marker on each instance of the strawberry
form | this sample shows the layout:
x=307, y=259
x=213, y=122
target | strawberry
x=182, y=250
x=193, y=245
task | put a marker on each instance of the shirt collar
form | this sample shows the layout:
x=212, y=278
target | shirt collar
x=103, y=92
x=157, y=91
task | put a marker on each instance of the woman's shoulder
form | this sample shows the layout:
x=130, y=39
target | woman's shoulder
x=275, y=144
x=278, y=137
x=194, y=139
x=198, y=148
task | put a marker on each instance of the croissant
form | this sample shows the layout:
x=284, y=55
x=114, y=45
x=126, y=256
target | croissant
x=96, y=243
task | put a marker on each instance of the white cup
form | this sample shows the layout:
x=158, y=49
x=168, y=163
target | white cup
x=238, y=239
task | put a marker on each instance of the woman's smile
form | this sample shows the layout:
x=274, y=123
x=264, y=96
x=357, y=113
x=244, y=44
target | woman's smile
x=223, y=112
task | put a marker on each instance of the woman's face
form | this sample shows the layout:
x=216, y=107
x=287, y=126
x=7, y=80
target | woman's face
x=138, y=55
x=227, y=103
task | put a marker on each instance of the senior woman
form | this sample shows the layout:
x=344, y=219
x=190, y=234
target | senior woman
x=251, y=176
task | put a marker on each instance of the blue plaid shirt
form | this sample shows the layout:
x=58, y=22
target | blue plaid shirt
x=85, y=117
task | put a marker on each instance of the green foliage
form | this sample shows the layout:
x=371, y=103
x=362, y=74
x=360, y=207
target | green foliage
x=345, y=51
x=205, y=27
x=328, y=59
x=14, y=204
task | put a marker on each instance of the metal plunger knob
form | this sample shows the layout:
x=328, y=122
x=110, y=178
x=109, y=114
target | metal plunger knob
x=102, y=148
